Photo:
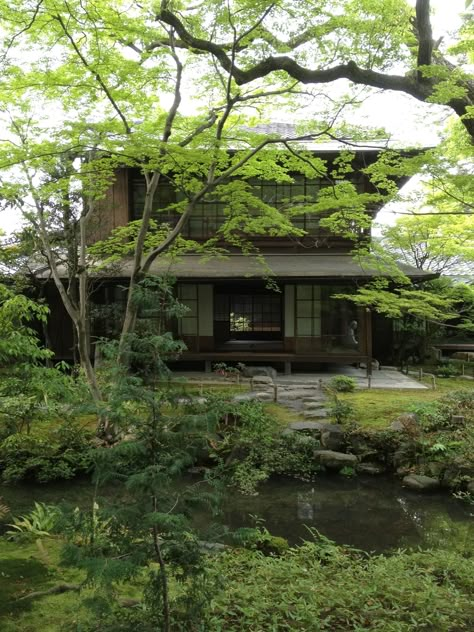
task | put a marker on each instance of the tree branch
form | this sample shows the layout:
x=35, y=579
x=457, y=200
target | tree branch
x=424, y=35
x=95, y=74
x=417, y=86
x=55, y=590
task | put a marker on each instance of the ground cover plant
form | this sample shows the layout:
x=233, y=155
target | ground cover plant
x=318, y=586
x=375, y=408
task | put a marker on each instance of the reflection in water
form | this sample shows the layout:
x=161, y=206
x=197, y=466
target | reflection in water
x=373, y=514
x=370, y=513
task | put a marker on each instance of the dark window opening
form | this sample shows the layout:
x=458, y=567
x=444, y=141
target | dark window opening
x=210, y=215
x=248, y=316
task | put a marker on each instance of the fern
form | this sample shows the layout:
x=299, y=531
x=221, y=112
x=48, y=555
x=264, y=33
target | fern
x=4, y=509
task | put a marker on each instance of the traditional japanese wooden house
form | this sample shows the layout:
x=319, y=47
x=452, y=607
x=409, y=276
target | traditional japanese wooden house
x=234, y=314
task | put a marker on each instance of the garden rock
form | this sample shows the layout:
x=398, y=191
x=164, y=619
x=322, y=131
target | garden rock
x=420, y=483
x=455, y=472
x=293, y=394
x=435, y=469
x=317, y=413
x=407, y=422
x=254, y=371
x=314, y=404
x=262, y=379
x=397, y=426
x=333, y=460
x=404, y=456
x=264, y=396
x=332, y=437
x=312, y=427
x=360, y=445
x=370, y=468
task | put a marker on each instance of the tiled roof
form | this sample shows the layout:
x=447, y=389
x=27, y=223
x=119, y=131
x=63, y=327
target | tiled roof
x=281, y=266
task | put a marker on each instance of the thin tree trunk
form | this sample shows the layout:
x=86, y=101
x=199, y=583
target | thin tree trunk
x=131, y=309
x=164, y=577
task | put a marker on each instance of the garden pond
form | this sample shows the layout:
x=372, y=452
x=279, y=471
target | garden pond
x=373, y=514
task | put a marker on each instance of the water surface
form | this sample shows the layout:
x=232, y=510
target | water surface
x=371, y=513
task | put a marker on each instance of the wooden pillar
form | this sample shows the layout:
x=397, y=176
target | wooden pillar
x=368, y=339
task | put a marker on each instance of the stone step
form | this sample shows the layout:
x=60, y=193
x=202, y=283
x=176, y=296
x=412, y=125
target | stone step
x=264, y=396
x=315, y=398
x=317, y=426
x=319, y=413
x=314, y=405
x=291, y=395
x=298, y=426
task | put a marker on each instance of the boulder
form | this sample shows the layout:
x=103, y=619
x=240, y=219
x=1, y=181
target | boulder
x=435, y=469
x=397, y=426
x=370, y=468
x=403, y=470
x=404, y=456
x=408, y=422
x=361, y=445
x=332, y=438
x=420, y=483
x=470, y=487
x=333, y=460
x=457, y=471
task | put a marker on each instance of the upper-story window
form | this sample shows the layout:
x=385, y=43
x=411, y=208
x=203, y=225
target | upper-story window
x=209, y=215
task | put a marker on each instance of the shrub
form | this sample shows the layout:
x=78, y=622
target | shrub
x=60, y=454
x=429, y=415
x=438, y=415
x=341, y=411
x=447, y=369
x=342, y=384
x=260, y=539
x=293, y=455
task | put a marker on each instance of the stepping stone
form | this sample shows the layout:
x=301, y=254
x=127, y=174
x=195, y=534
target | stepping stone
x=264, y=396
x=315, y=426
x=319, y=413
x=293, y=394
x=314, y=405
x=262, y=380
